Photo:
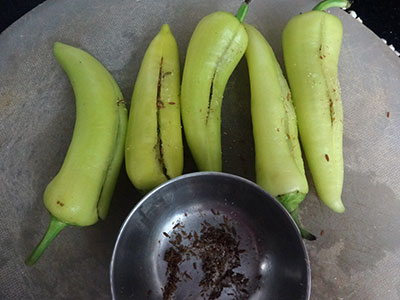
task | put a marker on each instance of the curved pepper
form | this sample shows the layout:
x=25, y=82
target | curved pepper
x=215, y=48
x=154, y=149
x=311, y=47
x=279, y=164
x=81, y=191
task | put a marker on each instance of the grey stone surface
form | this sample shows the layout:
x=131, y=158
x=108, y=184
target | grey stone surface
x=358, y=255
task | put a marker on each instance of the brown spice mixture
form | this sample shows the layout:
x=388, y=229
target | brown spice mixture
x=217, y=247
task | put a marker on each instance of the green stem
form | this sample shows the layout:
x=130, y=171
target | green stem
x=323, y=5
x=242, y=11
x=291, y=202
x=304, y=233
x=54, y=229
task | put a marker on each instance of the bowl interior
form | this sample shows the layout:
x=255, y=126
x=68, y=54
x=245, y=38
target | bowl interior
x=273, y=259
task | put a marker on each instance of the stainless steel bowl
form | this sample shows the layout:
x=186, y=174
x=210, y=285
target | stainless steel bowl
x=275, y=259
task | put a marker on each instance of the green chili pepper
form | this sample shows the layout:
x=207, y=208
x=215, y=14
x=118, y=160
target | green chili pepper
x=154, y=149
x=81, y=191
x=279, y=164
x=215, y=48
x=311, y=47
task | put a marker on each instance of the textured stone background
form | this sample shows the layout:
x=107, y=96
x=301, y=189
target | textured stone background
x=358, y=255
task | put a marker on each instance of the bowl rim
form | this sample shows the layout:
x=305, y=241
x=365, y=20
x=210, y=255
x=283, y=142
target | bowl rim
x=208, y=173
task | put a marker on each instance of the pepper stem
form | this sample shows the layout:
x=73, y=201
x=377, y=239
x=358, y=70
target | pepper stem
x=304, y=233
x=323, y=5
x=54, y=229
x=242, y=11
x=291, y=202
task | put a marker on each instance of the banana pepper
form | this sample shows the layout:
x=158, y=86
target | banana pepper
x=81, y=191
x=154, y=149
x=311, y=47
x=215, y=48
x=279, y=164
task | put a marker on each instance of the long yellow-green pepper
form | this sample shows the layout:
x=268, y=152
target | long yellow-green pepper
x=311, y=47
x=279, y=164
x=80, y=193
x=154, y=150
x=215, y=48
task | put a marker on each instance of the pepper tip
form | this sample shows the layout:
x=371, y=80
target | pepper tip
x=165, y=28
x=337, y=206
